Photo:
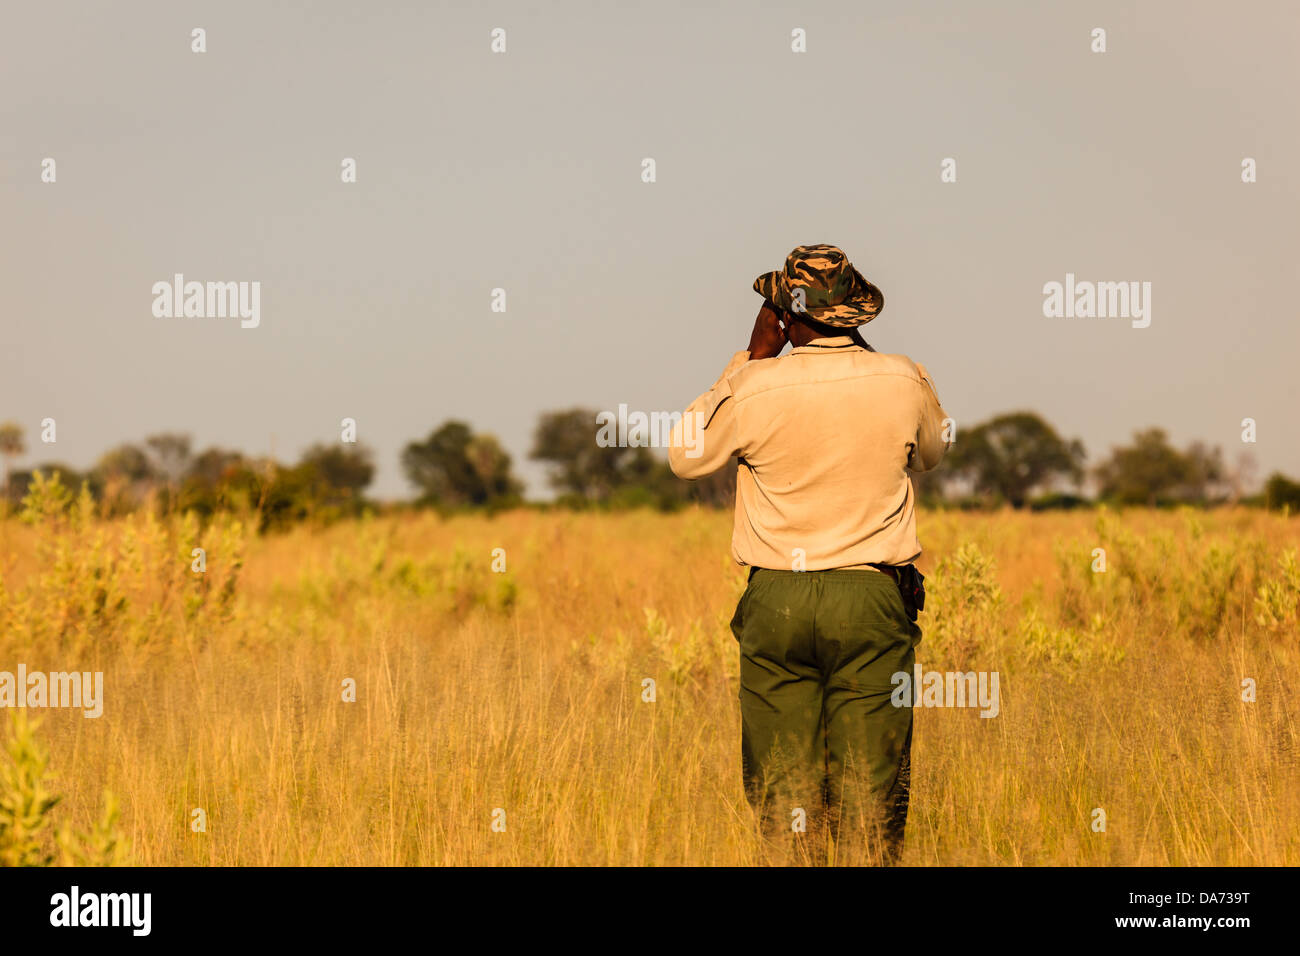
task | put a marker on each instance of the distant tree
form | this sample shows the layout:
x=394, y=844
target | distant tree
x=717, y=490
x=1151, y=471
x=128, y=462
x=11, y=446
x=342, y=469
x=217, y=478
x=169, y=459
x=492, y=466
x=1281, y=492
x=1242, y=476
x=454, y=467
x=1011, y=455
x=169, y=455
x=579, y=467
x=278, y=495
x=1209, y=479
x=211, y=465
x=124, y=475
x=20, y=481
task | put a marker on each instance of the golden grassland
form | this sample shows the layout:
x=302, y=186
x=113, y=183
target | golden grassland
x=522, y=690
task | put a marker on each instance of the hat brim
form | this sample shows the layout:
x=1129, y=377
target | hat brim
x=862, y=305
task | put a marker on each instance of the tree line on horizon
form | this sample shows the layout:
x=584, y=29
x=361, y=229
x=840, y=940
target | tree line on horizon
x=1014, y=459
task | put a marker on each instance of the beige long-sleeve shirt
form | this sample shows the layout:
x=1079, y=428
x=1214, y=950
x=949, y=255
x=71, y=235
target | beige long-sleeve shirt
x=825, y=436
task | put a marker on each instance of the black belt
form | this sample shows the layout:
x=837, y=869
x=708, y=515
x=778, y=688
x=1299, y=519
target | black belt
x=889, y=569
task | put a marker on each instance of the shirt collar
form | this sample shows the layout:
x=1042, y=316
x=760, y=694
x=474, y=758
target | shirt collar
x=827, y=344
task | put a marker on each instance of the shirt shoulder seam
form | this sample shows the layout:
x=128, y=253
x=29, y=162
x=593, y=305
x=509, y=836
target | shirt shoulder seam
x=915, y=379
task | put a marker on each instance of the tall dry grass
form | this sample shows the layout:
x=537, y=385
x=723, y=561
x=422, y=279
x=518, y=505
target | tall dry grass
x=522, y=690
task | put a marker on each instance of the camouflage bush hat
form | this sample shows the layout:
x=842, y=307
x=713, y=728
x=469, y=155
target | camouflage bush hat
x=834, y=292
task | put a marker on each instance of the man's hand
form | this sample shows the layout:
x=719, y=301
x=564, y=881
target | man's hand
x=769, y=335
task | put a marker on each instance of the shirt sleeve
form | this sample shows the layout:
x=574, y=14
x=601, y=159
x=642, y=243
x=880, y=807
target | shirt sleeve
x=930, y=441
x=707, y=437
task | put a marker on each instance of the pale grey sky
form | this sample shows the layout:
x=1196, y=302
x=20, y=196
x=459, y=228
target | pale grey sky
x=522, y=171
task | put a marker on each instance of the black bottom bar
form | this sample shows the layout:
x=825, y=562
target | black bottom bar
x=913, y=907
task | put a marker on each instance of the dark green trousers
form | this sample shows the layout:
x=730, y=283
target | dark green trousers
x=820, y=733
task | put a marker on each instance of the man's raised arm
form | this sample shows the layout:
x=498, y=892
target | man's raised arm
x=930, y=442
x=705, y=439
